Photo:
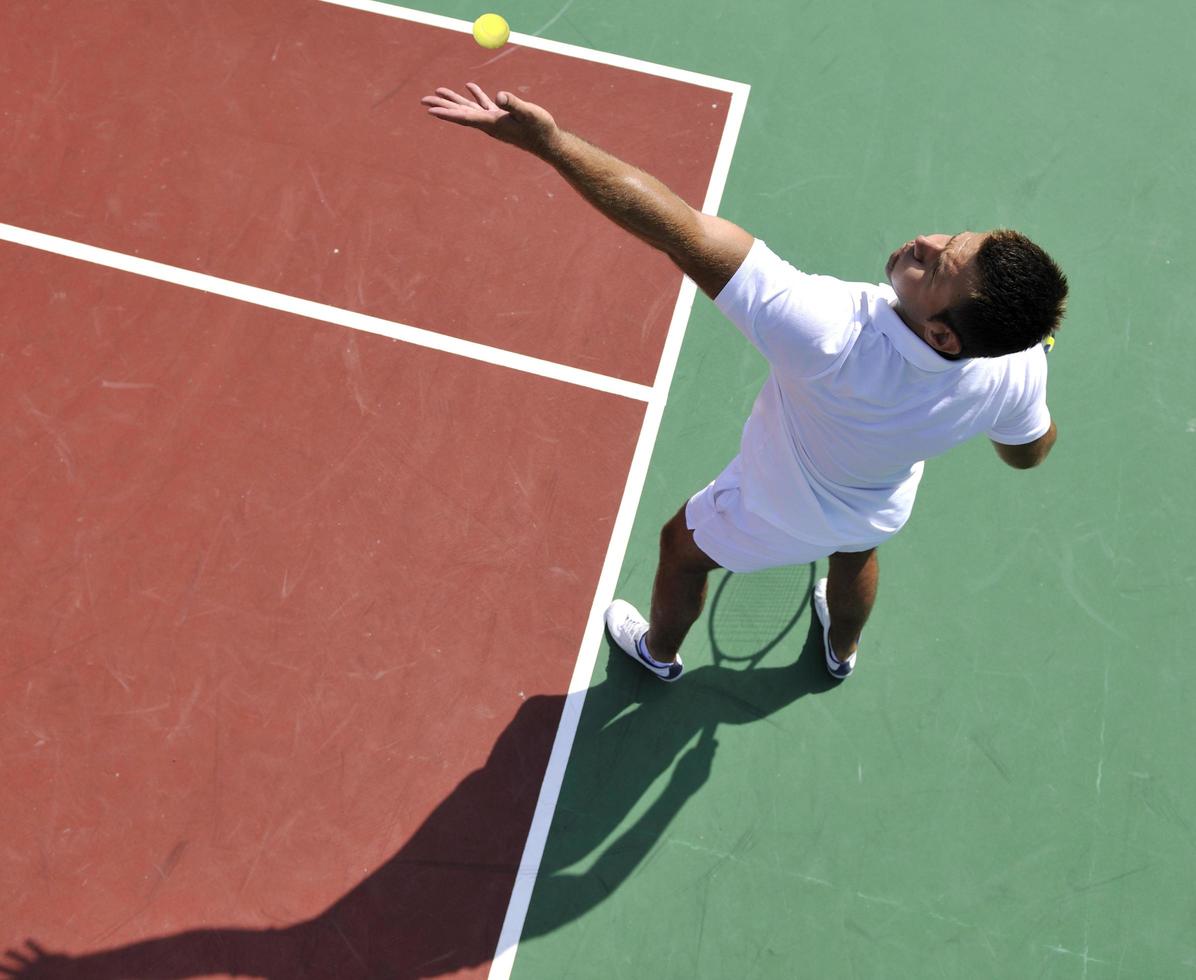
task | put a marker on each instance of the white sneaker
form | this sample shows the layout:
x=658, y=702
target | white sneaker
x=838, y=669
x=627, y=628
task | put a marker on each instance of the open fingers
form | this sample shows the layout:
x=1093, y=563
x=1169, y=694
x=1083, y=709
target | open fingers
x=435, y=101
x=457, y=115
x=451, y=96
x=483, y=99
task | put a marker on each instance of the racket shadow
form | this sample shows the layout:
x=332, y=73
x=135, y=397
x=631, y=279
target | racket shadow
x=751, y=615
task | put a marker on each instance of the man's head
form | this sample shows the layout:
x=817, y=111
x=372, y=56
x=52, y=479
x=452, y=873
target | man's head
x=977, y=294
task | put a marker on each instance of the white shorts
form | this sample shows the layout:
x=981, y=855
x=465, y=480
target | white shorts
x=740, y=541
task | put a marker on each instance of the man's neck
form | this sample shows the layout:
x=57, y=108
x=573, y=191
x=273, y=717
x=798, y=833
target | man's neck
x=920, y=331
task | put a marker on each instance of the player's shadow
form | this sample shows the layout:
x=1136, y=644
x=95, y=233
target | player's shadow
x=430, y=909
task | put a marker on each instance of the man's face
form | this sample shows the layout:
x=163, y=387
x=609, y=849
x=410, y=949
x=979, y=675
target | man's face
x=932, y=273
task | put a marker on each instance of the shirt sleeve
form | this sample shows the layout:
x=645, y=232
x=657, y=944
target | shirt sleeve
x=801, y=323
x=1025, y=416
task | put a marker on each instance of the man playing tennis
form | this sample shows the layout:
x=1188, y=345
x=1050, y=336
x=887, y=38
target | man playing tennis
x=866, y=382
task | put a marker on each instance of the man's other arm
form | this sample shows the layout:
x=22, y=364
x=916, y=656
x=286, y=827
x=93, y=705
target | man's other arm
x=1030, y=454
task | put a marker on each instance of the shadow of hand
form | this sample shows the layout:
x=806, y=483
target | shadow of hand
x=36, y=963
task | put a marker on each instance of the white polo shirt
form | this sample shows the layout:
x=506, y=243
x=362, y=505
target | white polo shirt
x=855, y=402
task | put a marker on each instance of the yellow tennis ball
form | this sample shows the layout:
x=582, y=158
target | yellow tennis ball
x=491, y=31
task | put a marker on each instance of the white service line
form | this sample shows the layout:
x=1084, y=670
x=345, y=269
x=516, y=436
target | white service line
x=321, y=311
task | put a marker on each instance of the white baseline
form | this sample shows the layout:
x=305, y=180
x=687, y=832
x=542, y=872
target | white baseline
x=543, y=44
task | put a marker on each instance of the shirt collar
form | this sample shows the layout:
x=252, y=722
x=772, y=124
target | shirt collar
x=909, y=345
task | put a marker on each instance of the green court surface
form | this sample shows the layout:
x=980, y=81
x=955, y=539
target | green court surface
x=1004, y=789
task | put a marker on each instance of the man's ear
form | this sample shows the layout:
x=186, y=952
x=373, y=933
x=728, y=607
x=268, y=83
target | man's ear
x=942, y=338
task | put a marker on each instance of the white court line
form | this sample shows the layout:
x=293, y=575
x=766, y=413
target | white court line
x=321, y=311
x=543, y=44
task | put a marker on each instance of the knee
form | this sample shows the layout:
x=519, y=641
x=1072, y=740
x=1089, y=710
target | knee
x=676, y=539
x=853, y=559
x=677, y=547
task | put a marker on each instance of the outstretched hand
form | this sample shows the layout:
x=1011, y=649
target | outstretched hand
x=510, y=119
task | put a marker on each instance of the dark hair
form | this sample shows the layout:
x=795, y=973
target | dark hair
x=1017, y=301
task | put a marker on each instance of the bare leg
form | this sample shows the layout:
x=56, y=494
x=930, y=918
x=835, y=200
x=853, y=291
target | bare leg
x=679, y=590
x=850, y=593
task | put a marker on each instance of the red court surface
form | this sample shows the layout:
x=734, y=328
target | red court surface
x=281, y=143
x=289, y=610
x=274, y=589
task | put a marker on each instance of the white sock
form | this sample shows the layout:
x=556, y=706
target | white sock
x=642, y=645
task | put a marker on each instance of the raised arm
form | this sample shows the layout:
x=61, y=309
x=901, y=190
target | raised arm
x=1029, y=454
x=706, y=248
